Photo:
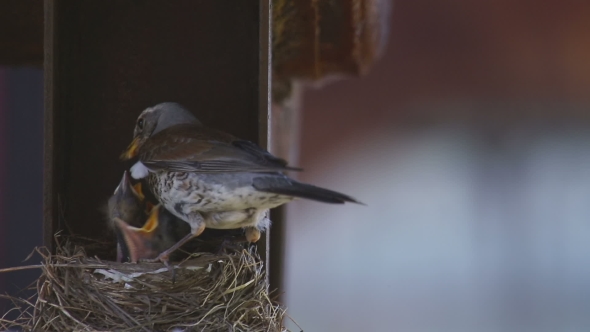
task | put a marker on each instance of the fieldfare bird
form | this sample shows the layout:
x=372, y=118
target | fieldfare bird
x=127, y=203
x=209, y=178
x=161, y=231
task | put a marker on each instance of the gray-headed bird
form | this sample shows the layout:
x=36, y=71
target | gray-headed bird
x=211, y=179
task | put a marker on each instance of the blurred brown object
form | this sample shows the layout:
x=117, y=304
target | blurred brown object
x=316, y=39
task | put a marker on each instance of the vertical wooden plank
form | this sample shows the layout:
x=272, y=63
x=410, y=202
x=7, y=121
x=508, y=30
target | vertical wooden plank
x=108, y=60
x=3, y=177
x=50, y=153
x=264, y=115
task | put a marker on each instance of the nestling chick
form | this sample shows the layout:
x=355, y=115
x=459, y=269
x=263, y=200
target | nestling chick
x=160, y=232
x=127, y=203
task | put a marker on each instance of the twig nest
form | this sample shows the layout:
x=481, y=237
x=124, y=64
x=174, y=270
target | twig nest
x=210, y=293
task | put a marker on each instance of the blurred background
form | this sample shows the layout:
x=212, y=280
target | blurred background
x=469, y=141
x=21, y=174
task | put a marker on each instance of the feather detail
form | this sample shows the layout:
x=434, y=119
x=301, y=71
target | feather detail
x=139, y=171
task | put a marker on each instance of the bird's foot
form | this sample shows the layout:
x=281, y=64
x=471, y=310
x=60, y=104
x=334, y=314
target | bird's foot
x=252, y=234
x=164, y=257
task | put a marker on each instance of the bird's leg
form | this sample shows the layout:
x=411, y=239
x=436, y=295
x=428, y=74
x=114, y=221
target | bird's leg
x=197, y=224
x=165, y=255
x=252, y=234
x=260, y=221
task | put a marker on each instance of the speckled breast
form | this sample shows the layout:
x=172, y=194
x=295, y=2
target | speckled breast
x=213, y=192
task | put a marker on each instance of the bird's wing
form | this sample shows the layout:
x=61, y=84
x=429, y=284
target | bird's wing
x=196, y=149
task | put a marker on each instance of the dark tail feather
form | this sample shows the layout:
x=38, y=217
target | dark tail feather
x=288, y=187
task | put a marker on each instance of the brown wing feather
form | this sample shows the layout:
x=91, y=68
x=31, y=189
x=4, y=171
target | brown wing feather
x=189, y=148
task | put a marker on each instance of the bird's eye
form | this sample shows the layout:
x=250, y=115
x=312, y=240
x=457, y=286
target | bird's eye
x=140, y=124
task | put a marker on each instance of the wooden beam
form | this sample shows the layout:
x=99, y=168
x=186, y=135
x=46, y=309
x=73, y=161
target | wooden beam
x=265, y=115
x=50, y=152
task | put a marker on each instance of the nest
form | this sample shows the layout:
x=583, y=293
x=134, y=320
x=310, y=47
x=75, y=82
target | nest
x=210, y=293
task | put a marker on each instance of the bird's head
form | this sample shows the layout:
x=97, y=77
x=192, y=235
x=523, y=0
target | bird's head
x=155, y=119
x=127, y=200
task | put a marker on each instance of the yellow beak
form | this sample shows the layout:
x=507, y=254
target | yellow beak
x=139, y=191
x=132, y=150
x=149, y=207
x=139, y=241
x=152, y=223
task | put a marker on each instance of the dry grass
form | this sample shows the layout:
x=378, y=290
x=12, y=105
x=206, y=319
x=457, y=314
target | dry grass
x=210, y=293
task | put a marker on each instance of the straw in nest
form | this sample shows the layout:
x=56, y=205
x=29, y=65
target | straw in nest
x=211, y=293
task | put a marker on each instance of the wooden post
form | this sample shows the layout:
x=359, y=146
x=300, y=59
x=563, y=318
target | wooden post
x=265, y=115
